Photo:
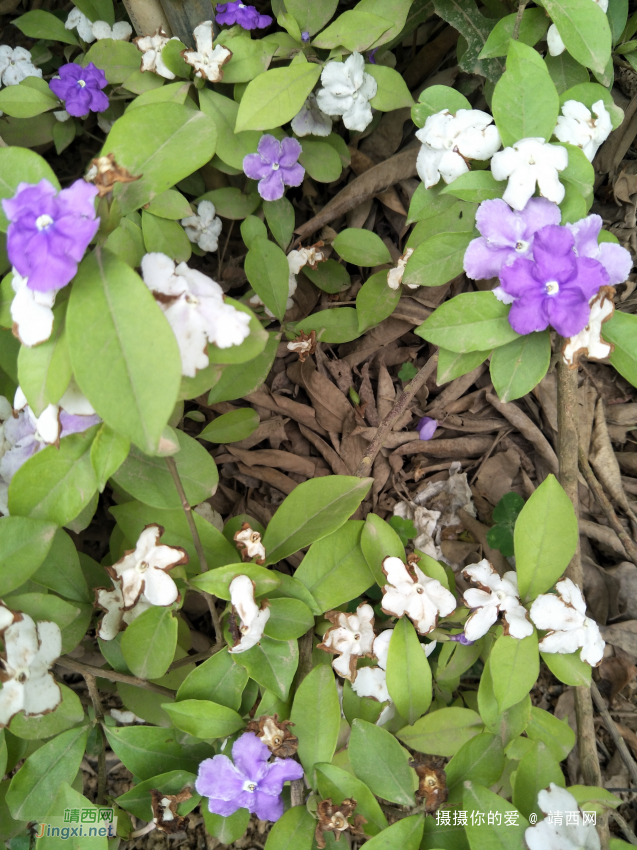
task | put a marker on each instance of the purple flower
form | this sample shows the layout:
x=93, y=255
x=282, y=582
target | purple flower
x=372, y=56
x=238, y=13
x=507, y=235
x=462, y=638
x=305, y=36
x=50, y=231
x=615, y=259
x=251, y=783
x=555, y=287
x=427, y=428
x=80, y=89
x=275, y=166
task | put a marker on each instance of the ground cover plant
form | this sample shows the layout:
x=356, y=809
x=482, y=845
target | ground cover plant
x=317, y=381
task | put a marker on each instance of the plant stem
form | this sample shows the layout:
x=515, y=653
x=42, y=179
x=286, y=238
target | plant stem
x=112, y=676
x=518, y=19
x=613, y=731
x=89, y=678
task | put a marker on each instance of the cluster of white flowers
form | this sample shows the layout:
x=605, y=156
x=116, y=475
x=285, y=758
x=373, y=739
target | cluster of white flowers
x=194, y=306
x=16, y=64
x=554, y=39
x=204, y=228
x=449, y=141
x=409, y=591
x=350, y=638
x=296, y=261
x=30, y=650
x=526, y=163
x=347, y=90
x=90, y=31
x=494, y=596
x=252, y=617
x=576, y=126
x=310, y=121
x=151, y=47
x=208, y=59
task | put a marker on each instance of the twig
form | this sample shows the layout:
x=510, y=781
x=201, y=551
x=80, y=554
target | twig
x=518, y=19
x=605, y=505
x=210, y=599
x=613, y=731
x=192, y=659
x=112, y=676
x=629, y=835
x=89, y=678
x=400, y=405
x=225, y=247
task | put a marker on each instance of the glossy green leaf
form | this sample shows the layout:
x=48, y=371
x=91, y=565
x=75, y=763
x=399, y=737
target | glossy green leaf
x=556, y=734
x=232, y=203
x=118, y=59
x=507, y=724
x=333, y=325
x=381, y=763
x=408, y=672
x=584, y=30
x=149, y=750
x=311, y=16
x=293, y=831
x=620, y=330
x=475, y=186
x=443, y=732
x=316, y=715
x=568, y=668
x=203, y=719
x=276, y=96
x=149, y=642
x=244, y=378
x=520, y=365
x=65, y=798
x=361, y=247
x=137, y=800
x=329, y=276
x=375, y=301
x=452, y=365
x=44, y=371
x=25, y=101
x=537, y=769
x=405, y=833
x=171, y=204
x=472, y=321
x=231, y=147
x=280, y=218
x=437, y=260
x=24, y=545
x=41, y=24
x=481, y=760
x=231, y=427
x=218, y=581
x=167, y=237
x=392, y=92
x=219, y=679
x=61, y=571
x=320, y=160
x=228, y=829
x=434, y=99
x=533, y=27
x=565, y=71
x=503, y=833
x=379, y=541
x=475, y=28
x=108, y=453
x=289, y=619
x=518, y=665
x=353, y=30
x=272, y=663
x=267, y=269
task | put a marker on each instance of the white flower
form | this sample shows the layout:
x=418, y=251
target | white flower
x=559, y=833
x=568, y=627
x=346, y=91
x=31, y=312
x=117, y=617
x=47, y=424
x=78, y=21
x=554, y=39
x=310, y=121
x=195, y=310
x=526, y=163
x=576, y=126
x=16, y=65
x=120, y=31
x=409, y=591
x=588, y=341
x=249, y=544
x=151, y=46
x=125, y=717
x=450, y=140
x=208, y=61
x=351, y=637
x=495, y=596
x=395, y=275
x=204, y=227
x=29, y=652
x=253, y=618
x=145, y=570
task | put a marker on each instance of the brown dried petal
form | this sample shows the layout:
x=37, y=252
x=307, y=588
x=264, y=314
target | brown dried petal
x=432, y=784
x=332, y=818
x=104, y=173
x=165, y=810
x=275, y=734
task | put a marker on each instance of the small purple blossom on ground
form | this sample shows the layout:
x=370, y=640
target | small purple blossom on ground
x=49, y=231
x=462, y=638
x=251, y=783
x=80, y=89
x=507, y=235
x=305, y=36
x=238, y=13
x=275, y=166
x=615, y=259
x=555, y=287
x=427, y=428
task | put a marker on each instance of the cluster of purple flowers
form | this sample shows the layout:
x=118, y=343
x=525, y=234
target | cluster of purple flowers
x=548, y=272
x=238, y=13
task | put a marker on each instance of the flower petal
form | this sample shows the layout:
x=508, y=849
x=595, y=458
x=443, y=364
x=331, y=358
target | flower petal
x=219, y=779
x=250, y=755
x=255, y=168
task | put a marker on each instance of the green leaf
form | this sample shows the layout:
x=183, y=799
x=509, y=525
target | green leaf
x=321, y=161
x=275, y=97
x=533, y=27
x=392, y=92
x=232, y=203
x=381, y=763
x=36, y=783
x=293, y=831
x=525, y=100
x=218, y=581
x=63, y=799
x=464, y=16
x=19, y=165
x=280, y=218
x=313, y=510
x=202, y=718
x=252, y=228
x=169, y=93
x=545, y=539
x=475, y=186
x=361, y=247
x=353, y=30
x=332, y=325
x=452, y=365
x=617, y=14
x=556, y=734
x=375, y=301
x=579, y=171
x=481, y=760
x=316, y=715
x=459, y=218
x=124, y=353
x=584, y=30
x=218, y=679
x=437, y=260
x=118, y=59
x=149, y=750
x=231, y=427
x=590, y=93
x=311, y=16
x=137, y=800
x=127, y=243
x=24, y=544
x=329, y=276
x=108, y=453
x=164, y=142
x=518, y=666
x=574, y=206
x=379, y=541
x=340, y=784
x=40, y=24
x=443, y=732
x=565, y=71
x=520, y=365
x=55, y=484
x=434, y=99
x=408, y=673
x=61, y=570
x=167, y=237
x=98, y=10
x=244, y=378
x=25, y=101
x=620, y=330
x=272, y=663
x=149, y=642
x=250, y=57
x=401, y=10
x=231, y=147
x=472, y=321
x=228, y=829
x=267, y=269
x=44, y=371
x=569, y=668
x=405, y=833
x=289, y=619
x=537, y=769
x=497, y=835
x=68, y=713
x=508, y=724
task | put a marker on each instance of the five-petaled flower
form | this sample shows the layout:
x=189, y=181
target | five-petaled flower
x=395, y=275
x=144, y=569
x=494, y=595
x=237, y=12
x=249, y=544
x=589, y=342
x=449, y=141
x=526, y=163
x=555, y=287
x=560, y=833
x=49, y=231
x=576, y=126
x=275, y=166
x=409, y=591
x=204, y=228
x=16, y=64
x=251, y=783
x=310, y=121
x=252, y=617
x=29, y=652
x=568, y=627
x=209, y=58
x=347, y=90
x=80, y=89
x=350, y=638
x=152, y=46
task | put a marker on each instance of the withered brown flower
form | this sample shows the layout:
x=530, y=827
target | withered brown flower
x=104, y=173
x=249, y=544
x=275, y=734
x=303, y=345
x=335, y=819
x=165, y=810
x=432, y=783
